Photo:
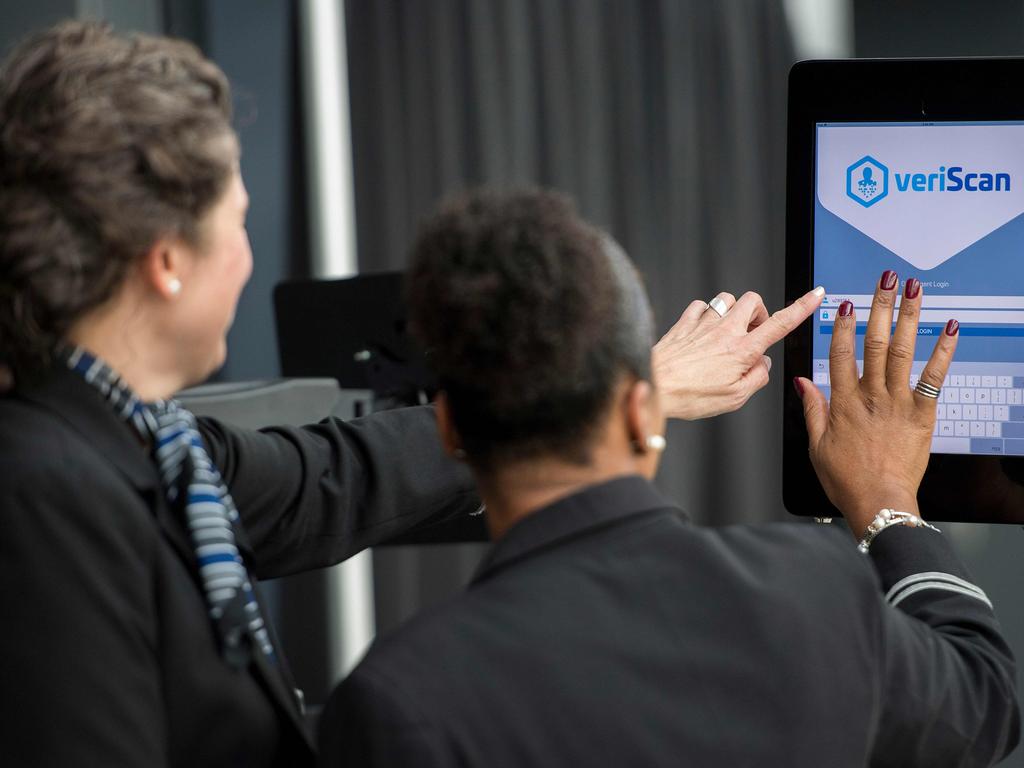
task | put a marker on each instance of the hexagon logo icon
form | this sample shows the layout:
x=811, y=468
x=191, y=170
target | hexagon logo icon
x=867, y=181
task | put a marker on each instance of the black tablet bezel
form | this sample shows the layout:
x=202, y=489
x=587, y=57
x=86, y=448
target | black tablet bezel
x=965, y=488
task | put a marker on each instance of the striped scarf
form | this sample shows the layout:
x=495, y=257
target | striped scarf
x=193, y=485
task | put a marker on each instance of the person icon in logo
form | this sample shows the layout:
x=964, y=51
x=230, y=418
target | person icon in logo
x=867, y=186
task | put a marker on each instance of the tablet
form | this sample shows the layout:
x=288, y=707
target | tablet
x=916, y=166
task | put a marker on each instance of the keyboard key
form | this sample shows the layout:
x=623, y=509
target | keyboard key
x=951, y=395
x=1014, y=447
x=1001, y=412
x=1004, y=382
x=986, y=445
x=946, y=428
x=820, y=377
x=988, y=381
x=998, y=396
x=992, y=429
x=953, y=412
x=985, y=412
x=970, y=411
x=966, y=395
x=1018, y=382
x=956, y=380
x=982, y=396
x=972, y=381
x=1014, y=396
x=952, y=444
x=977, y=428
x=940, y=411
x=1017, y=413
x=962, y=428
x=1013, y=429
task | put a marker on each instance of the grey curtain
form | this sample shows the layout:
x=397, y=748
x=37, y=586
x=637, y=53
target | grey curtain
x=664, y=119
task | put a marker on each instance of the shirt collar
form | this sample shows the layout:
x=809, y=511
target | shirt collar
x=593, y=507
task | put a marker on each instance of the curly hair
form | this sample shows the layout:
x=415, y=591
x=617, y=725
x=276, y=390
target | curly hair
x=530, y=317
x=106, y=144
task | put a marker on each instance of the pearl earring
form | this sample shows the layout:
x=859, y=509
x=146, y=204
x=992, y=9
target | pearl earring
x=174, y=286
x=656, y=443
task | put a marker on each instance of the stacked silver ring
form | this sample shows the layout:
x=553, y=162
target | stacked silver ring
x=927, y=390
x=719, y=306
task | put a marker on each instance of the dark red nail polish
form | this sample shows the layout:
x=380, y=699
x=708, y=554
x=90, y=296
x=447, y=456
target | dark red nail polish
x=798, y=386
x=912, y=288
x=846, y=309
x=889, y=279
x=952, y=327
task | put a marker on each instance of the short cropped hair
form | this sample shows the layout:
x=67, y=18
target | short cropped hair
x=530, y=318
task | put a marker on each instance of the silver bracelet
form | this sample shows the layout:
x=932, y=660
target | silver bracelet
x=887, y=518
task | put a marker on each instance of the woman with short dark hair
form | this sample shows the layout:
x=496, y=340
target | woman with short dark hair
x=604, y=630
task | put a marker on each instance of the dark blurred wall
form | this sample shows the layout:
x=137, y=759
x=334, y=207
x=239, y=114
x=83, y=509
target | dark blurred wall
x=884, y=28
x=665, y=120
x=254, y=43
x=18, y=19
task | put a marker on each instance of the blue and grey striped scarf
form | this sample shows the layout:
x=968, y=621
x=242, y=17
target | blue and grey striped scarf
x=192, y=484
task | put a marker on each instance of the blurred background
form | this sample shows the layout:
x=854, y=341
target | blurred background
x=664, y=119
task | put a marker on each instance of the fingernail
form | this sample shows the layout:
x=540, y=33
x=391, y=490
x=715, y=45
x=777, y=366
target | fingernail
x=912, y=288
x=889, y=279
x=820, y=291
x=952, y=327
x=767, y=362
x=846, y=309
x=798, y=386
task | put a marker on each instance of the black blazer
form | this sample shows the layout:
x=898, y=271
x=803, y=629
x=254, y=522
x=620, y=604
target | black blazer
x=606, y=631
x=107, y=654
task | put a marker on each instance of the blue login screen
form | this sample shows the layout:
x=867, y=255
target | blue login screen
x=944, y=203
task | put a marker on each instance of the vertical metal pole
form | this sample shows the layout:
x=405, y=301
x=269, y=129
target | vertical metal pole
x=822, y=29
x=351, y=621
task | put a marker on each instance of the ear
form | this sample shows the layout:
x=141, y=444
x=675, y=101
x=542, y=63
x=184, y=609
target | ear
x=164, y=265
x=445, y=426
x=642, y=414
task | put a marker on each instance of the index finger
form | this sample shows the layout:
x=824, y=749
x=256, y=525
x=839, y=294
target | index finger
x=782, y=322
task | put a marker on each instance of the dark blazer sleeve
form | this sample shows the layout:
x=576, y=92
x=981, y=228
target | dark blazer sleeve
x=79, y=674
x=312, y=496
x=947, y=677
x=367, y=724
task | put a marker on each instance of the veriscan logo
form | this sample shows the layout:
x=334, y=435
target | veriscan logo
x=867, y=181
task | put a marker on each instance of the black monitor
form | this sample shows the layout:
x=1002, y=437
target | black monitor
x=355, y=330
x=916, y=166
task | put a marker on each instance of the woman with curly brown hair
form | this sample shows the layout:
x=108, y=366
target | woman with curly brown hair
x=133, y=634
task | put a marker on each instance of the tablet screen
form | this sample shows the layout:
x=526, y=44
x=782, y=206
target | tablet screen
x=942, y=202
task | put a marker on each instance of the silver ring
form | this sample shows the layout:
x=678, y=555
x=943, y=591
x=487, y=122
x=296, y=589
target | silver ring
x=925, y=389
x=719, y=306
